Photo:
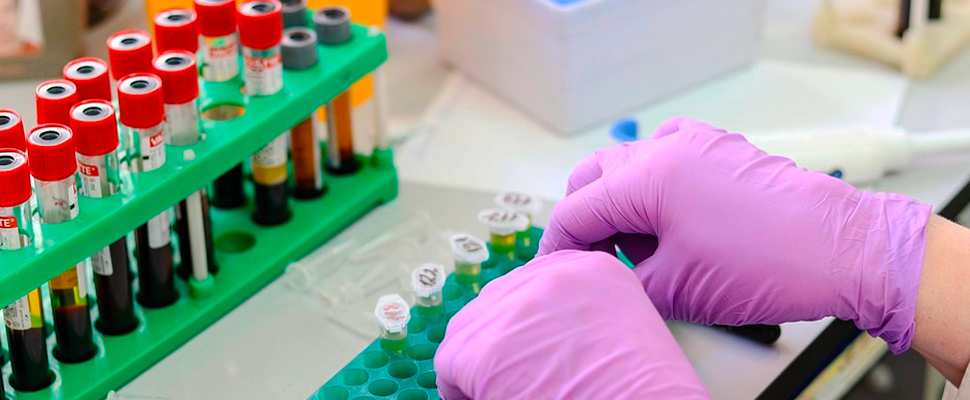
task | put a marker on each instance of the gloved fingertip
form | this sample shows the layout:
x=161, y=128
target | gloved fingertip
x=680, y=123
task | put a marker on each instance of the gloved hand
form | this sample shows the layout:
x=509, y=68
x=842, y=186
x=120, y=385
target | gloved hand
x=570, y=325
x=723, y=233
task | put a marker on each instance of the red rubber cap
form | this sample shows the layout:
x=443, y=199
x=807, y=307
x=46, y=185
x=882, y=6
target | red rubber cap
x=95, y=128
x=140, y=101
x=90, y=76
x=50, y=152
x=129, y=52
x=54, y=99
x=180, y=77
x=14, y=178
x=216, y=17
x=176, y=29
x=260, y=24
x=12, y=134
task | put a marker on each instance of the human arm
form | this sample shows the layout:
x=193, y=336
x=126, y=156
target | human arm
x=723, y=233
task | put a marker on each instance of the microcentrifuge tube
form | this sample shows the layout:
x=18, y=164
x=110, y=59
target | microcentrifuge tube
x=427, y=282
x=523, y=203
x=503, y=226
x=23, y=318
x=52, y=162
x=96, y=140
x=469, y=252
x=269, y=178
x=393, y=315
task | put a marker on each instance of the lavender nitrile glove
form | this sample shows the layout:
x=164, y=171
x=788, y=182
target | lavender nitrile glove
x=570, y=325
x=723, y=233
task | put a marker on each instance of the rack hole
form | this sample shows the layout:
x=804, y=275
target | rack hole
x=333, y=393
x=436, y=334
x=223, y=112
x=382, y=387
x=421, y=352
x=354, y=377
x=235, y=242
x=413, y=394
x=428, y=380
x=374, y=359
x=402, y=369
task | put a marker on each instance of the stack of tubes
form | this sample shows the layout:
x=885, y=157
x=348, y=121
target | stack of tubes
x=76, y=148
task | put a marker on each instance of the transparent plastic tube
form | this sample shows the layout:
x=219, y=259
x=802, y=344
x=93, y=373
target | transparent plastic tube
x=393, y=314
x=426, y=283
x=469, y=253
x=503, y=226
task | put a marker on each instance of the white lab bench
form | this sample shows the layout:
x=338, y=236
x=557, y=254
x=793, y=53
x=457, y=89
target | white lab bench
x=280, y=344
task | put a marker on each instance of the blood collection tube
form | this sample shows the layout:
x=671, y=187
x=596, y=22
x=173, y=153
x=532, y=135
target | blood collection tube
x=469, y=252
x=294, y=13
x=299, y=49
x=54, y=99
x=219, y=58
x=220, y=47
x=269, y=179
x=503, y=226
x=180, y=89
x=176, y=29
x=260, y=32
x=90, y=76
x=53, y=164
x=23, y=318
x=522, y=203
x=142, y=109
x=96, y=141
x=12, y=130
x=129, y=52
x=333, y=28
x=427, y=282
x=392, y=316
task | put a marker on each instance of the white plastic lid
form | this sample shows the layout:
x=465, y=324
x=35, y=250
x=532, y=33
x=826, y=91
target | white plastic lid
x=519, y=202
x=468, y=249
x=503, y=222
x=392, y=313
x=427, y=280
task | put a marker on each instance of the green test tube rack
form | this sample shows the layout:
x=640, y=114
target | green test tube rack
x=249, y=256
x=379, y=374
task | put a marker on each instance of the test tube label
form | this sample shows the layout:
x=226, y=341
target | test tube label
x=273, y=154
x=159, y=231
x=220, y=58
x=101, y=262
x=17, y=315
x=9, y=232
x=151, y=148
x=515, y=200
x=183, y=123
x=263, y=70
x=58, y=201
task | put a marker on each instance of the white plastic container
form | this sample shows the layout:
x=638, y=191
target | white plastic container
x=574, y=63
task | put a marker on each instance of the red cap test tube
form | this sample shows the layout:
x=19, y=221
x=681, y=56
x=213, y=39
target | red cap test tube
x=176, y=29
x=54, y=99
x=12, y=134
x=180, y=88
x=129, y=52
x=219, y=45
x=260, y=33
x=90, y=76
x=141, y=105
